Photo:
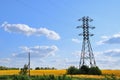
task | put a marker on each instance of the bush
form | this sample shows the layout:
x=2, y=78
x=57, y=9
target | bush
x=72, y=70
x=24, y=70
x=94, y=71
x=84, y=69
x=37, y=68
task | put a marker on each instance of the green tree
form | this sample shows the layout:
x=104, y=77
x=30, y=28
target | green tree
x=84, y=69
x=95, y=71
x=3, y=68
x=72, y=70
x=37, y=68
x=24, y=70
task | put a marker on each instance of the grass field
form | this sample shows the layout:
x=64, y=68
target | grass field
x=60, y=72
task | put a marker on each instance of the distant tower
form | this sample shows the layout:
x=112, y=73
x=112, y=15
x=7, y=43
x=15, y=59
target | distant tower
x=87, y=56
x=29, y=64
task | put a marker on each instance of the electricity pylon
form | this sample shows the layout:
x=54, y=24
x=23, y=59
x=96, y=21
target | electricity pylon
x=87, y=56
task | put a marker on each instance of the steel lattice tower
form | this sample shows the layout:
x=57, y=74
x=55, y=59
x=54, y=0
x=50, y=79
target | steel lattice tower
x=87, y=56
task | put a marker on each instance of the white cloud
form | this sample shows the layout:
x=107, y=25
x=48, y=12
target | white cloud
x=28, y=31
x=77, y=53
x=64, y=63
x=76, y=40
x=71, y=62
x=113, y=53
x=108, y=59
x=5, y=60
x=115, y=39
x=104, y=37
x=37, y=51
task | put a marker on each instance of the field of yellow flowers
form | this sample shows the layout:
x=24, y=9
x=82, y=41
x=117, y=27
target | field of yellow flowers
x=114, y=72
x=59, y=72
x=34, y=72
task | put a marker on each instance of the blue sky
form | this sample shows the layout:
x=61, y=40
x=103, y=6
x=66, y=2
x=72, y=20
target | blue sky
x=47, y=28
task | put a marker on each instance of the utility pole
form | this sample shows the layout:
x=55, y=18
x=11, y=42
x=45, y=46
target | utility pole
x=29, y=64
x=87, y=56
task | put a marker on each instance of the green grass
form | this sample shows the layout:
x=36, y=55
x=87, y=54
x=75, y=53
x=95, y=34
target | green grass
x=52, y=77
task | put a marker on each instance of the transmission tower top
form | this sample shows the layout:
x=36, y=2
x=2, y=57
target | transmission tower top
x=87, y=56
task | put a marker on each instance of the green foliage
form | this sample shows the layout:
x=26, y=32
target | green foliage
x=64, y=77
x=24, y=70
x=20, y=77
x=3, y=68
x=94, y=71
x=72, y=70
x=53, y=77
x=6, y=68
x=45, y=68
x=37, y=68
x=84, y=69
x=4, y=77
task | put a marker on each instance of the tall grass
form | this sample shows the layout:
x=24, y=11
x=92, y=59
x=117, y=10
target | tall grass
x=44, y=77
x=53, y=77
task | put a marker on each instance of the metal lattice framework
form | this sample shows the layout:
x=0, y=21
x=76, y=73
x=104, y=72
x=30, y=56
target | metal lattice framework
x=87, y=56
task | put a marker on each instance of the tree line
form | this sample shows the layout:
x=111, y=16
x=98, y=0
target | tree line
x=8, y=68
x=37, y=68
x=45, y=68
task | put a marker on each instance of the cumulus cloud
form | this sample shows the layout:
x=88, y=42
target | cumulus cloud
x=37, y=51
x=115, y=39
x=107, y=59
x=112, y=53
x=28, y=31
x=108, y=55
x=76, y=40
